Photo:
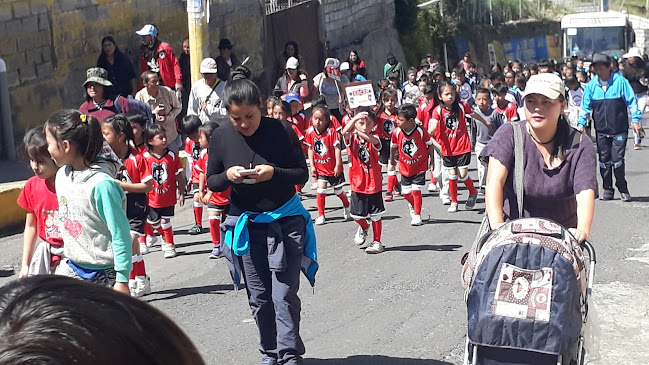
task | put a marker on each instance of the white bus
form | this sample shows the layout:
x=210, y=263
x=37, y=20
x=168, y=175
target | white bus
x=585, y=34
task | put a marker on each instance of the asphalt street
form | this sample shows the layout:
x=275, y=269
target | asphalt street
x=403, y=306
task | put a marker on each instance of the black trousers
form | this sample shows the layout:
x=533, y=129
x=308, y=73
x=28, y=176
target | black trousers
x=271, y=271
x=611, y=150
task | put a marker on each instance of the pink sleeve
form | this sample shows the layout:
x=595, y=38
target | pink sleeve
x=304, y=90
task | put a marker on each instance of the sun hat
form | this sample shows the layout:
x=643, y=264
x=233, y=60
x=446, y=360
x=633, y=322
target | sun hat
x=546, y=84
x=344, y=66
x=601, y=58
x=633, y=52
x=97, y=75
x=292, y=63
x=148, y=29
x=292, y=96
x=208, y=66
x=225, y=43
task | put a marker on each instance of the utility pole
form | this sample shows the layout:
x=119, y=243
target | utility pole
x=491, y=18
x=197, y=24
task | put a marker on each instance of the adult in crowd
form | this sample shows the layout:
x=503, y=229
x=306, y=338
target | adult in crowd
x=185, y=70
x=293, y=79
x=261, y=160
x=637, y=73
x=346, y=70
x=432, y=62
x=466, y=60
x=226, y=59
x=157, y=56
x=560, y=181
x=330, y=88
x=394, y=68
x=607, y=96
x=206, y=97
x=356, y=64
x=290, y=50
x=100, y=97
x=120, y=69
x=164, y=105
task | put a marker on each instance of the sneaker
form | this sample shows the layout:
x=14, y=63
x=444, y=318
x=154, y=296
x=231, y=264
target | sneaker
x=267, y=360
x=360, y=236
x=144, y=249
x=314, y=186
x=411, y=210
x=470, y=203
x=140, y=286
x=637, y=147
x=216, y=252
x=416, y=220
x=195, y=230
x=432, y=188
x=346, y=215
x=397, y=190
x=608, y=195
x=481, y=190
x=374, y=247
x=452, y=208
x=388, y=197
x=168, y=250
x=626, y=197
x=151, y=240
x=446, y=201
x=320, y=220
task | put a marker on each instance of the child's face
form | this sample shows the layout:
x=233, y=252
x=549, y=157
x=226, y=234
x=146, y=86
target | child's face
x=405, y=123
x=390, y=103
x=365, y=125
x=483, y=101
x=520, y=84
x=43, y=167
x=500, y=100
x=111, y=137
x=203, y=140
x=580, y=64
x=279, y=113
x=394, y=83
x=581, y=77
x=412, y=76
x=422, y=86
x=196, y=136
x=137, y=130
x=159, y=142
x=447, y=95
x=573, y=87
x=461, y=77
x=269, y=108
x=319, y=120
x=61, y=152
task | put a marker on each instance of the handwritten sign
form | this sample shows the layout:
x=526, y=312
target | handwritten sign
x=360, y=94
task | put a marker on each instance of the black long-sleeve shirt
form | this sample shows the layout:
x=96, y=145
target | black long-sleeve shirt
x=275, y=144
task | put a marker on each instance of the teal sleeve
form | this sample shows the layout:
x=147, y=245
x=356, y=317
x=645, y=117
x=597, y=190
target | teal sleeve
x=108, y=199
x=585, y=109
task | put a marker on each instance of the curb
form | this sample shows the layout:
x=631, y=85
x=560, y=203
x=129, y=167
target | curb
x=12, y=215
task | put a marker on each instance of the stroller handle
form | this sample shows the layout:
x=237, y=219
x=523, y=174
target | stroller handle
x=591, y=250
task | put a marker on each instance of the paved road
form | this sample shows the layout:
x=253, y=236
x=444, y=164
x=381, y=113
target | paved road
x=403, y=306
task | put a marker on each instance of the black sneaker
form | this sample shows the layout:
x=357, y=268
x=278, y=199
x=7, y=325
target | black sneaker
x=626, y=197
x=608, y=195
x=195, y=230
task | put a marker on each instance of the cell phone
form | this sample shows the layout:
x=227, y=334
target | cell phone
x=247, y=172
x=161, y=105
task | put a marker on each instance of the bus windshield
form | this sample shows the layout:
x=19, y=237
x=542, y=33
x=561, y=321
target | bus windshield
x=584, y=42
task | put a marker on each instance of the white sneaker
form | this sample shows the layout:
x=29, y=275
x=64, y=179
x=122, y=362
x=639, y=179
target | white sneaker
x=374, y=247
x=144, y=249
x=140, y=286
x=314, y=186
x=168, y=250
x=452, y=208
x=151, y=240
x=346, y=215
x=360, y=236
x=349, y=194
x=320, y=220
x=411, y=210
x=416, y=220
x=433, y=188
x=446, y=201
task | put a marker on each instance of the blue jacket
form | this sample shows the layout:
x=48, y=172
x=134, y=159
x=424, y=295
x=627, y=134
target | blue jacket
x=609, y=107
x=238, y=240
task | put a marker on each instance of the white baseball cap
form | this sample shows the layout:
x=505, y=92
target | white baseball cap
x=546, y=84
x=333, y=62
x=344, y=66
x=633, y=52
x=148, y=30
x=292, y=63
x=208, y=66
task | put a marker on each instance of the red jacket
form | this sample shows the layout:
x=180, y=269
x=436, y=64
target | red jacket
x=167, y=63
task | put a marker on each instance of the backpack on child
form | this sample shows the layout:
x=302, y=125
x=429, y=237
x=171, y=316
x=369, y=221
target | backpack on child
x=140, y=106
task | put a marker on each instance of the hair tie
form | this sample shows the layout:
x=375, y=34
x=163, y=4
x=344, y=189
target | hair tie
x=83, y=118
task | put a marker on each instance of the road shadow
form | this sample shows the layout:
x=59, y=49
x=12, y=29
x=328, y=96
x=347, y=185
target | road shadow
x=191, y=253
x=423, y=248
x=445, y=221
x=640, y=199
x=183, y=292
x=5, y=273
x=189, y=244
x=374, y=360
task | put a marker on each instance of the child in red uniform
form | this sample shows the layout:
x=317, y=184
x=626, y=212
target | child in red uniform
x=38, y=198
x=296, y=115
x=281, y=111
x=218, y=204
x=387, y=121
x=502, y=105
x=325, y=159
x=365, y=177
x=135, y=179
x=414, y=147
x=191, y=123
x=448, y=124
x=167, y=178
x=138, y=122
x=424, y=112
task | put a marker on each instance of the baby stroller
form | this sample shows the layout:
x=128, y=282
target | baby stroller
x=528, y=293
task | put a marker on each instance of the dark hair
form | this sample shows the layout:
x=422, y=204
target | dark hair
x=290, y=43
x=412, y=70
x=191, y=123
x=471, y=65
x=483, y=90
x=614, y=61
x=393, y=77
x=384, y=95
x=367, y=109
x=497, y=66
x=240, y=72
x=135, y=116
x=207, y=129
x=56, y=320
x=120, y=124
x=455, y=108
x=151, y=131
x=82, y=132
x=324, y=110
x=544, y=63
x=102, y=61
x=359, y=70
x=511, y=72
x=319, y=100
x=562, y=139
x=459, y=70
x=407, y=111
x=241, y=92
x=497, y=75
x=431, y=88
x=500, y=89
x=36, y=144
x=571, y=80
x=285, y=105
x=582, y=72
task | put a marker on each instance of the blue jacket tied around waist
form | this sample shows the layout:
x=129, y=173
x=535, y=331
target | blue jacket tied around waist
x=237, y=238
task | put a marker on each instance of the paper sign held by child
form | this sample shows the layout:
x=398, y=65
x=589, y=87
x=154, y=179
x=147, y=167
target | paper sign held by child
x=360, y=94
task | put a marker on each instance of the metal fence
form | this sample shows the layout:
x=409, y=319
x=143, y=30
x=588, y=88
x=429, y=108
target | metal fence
x=273, y=6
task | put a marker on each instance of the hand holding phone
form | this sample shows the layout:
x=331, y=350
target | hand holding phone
x=247, y=172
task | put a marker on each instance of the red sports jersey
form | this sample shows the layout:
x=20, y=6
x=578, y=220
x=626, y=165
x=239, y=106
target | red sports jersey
x=164, y=171
x=323, y=146
x=346, y=119
x=142, y=148
x=451, y=131
x=193, y=149
x=221, y=198
x=385, y=125
x=510, y=111
x=39, y=198
x=365, y=172
x=134, y=169
x=335, y=124
x=413, y=150
x=300, y=121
